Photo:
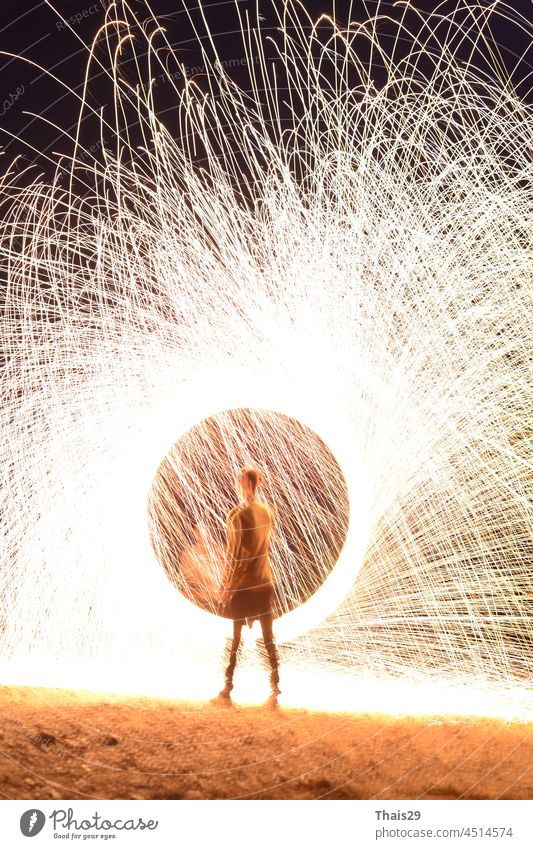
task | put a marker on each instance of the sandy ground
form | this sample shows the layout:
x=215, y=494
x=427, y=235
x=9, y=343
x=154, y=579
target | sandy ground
x=65, y=744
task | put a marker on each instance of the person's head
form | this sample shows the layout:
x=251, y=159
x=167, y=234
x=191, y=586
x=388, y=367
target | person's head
x=248, y=482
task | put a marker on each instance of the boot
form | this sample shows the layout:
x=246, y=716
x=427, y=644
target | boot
x=231, y=654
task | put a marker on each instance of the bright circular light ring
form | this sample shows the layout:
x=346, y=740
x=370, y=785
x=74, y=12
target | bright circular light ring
x=213, y=397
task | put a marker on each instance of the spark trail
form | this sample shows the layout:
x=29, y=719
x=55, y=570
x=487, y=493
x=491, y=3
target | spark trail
x=346, y=242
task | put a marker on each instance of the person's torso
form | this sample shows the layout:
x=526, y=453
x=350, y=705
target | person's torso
x=251, y=554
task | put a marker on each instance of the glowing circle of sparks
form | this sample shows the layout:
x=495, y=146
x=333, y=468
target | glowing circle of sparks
x=346, y=242
x=335, y=575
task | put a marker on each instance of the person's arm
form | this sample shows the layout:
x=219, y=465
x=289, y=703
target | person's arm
x=233, y=546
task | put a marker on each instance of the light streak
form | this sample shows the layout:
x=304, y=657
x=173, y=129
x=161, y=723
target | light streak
x=347, y=244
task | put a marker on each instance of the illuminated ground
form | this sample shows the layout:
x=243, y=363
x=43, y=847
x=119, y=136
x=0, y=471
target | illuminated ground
x=66, y=744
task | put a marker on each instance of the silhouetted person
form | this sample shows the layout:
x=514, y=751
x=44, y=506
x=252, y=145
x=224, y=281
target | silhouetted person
x=249, y=587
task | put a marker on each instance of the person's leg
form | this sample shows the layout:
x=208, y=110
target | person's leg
x=267, y=630
x=234, y=649
x=231, y=655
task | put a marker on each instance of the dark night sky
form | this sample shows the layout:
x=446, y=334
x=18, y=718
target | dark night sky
x=30, y=28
